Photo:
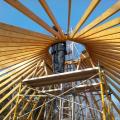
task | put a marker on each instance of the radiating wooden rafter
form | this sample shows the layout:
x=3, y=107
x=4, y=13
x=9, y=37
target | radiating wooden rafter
x=50, y=14
x=109, y=12
x=24, y=55
x=87, y=13
x=30, y=14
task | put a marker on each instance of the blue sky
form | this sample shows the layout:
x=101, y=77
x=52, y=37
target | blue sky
x=10, y=15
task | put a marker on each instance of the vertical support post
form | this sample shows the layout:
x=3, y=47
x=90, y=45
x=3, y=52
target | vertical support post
x=109, y=115
x=102, y=92
x=17, y=101
x=73, y=107
x=61, y=110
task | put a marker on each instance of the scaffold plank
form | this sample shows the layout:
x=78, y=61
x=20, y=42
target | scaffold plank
x=62, y=77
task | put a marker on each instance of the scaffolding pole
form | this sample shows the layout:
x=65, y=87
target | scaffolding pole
x=17, y=102
x=101, y=76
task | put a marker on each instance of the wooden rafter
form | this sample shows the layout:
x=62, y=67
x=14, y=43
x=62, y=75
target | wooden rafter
x=100, y=28
x=87, y=13
x=112, y=10
x=69, y=15
x=31, y=15
x=50, y=14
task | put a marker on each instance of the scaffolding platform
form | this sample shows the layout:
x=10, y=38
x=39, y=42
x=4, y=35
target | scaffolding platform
x=77, y=75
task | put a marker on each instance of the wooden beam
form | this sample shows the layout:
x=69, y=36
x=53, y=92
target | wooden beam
x=16, y=81
x=15, y=67
x=69, y=14
x=27, y=74
x=15, y=52
x=8, y=48
x=109, y=12
x=115, y=94
x=9, y=103
x=26, y=104
x=113, y=55
x=9, y=93
x=110, y=31
x=87, y=13
x=10, y=30
x=113, y=74
x=112, y=84
x=108, y=38
x=104, y=26
x=11, y=111
x=4, y=79
x=51, y=16
x=18, y=30
x=116, y=108
x=19, y=6
x=18, y=55
x=9, y=62
x=40, y=112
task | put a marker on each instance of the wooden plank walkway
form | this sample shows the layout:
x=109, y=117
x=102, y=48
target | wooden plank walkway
x=61, y=77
